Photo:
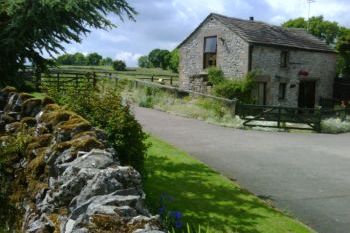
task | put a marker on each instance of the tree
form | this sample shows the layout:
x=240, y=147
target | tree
x=155, y=58
x=79, y=59
x=144, y=62
x=325, y=30
x=106, y=61
x=343, y=46
x=65, y=59
x=159, y=58
x=119, y=65
x=30, y=27
x=174, y=61
x=93, y=59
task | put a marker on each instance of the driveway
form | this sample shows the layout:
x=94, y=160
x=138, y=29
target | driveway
x=306, y=175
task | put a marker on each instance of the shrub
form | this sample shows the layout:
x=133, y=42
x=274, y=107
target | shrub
x=107, y=111
x=119, y=65
x=238, y=88
x=215, y=76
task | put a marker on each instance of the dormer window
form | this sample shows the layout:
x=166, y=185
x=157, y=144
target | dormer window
x=210, y=51
x=284, y=59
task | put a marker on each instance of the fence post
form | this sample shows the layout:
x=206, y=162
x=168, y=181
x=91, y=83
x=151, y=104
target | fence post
x=76, y=81
x=58, y=81
x=171, y=80
x=152, y=78
x=38, y=80
x=279, y=117
x=318, y=113
x=110, y=75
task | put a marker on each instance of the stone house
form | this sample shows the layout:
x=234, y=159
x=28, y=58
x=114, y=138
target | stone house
x=294, y=68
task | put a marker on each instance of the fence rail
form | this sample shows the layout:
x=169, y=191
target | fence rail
x=287, y=117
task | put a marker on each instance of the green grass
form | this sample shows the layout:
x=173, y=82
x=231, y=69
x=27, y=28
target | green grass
x=130, y=70
x=38, y=95
x=206, y=197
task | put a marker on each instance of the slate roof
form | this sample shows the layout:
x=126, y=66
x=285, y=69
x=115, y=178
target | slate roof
x=256, y=32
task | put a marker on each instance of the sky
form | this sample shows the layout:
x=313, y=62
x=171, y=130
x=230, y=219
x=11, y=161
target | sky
x=166, y=23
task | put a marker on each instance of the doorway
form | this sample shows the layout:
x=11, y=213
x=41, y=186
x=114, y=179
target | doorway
x=262, y=93
x=307, y=94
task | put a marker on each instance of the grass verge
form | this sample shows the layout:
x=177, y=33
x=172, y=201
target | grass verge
x=206, y=197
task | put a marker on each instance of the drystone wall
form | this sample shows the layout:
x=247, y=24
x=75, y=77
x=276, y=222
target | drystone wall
x=72, y=183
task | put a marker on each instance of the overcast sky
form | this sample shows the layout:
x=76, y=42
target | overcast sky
x=165, y=23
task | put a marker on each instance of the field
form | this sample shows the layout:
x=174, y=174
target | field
x=130, y=70
x=207, y=198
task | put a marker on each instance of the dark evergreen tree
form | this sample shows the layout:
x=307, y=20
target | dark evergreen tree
x=30, y=27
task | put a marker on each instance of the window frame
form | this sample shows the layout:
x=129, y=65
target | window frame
x=282, y=91
x=205, y=54
x=284, y=59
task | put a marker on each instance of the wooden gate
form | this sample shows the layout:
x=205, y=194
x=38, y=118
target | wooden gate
x=282, y=117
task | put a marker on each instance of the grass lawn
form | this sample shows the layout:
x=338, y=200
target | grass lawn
x=206, y=197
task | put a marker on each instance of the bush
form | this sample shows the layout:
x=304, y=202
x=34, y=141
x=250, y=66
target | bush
x=107, y=111
x=238, y=88
x=215, y=76
x=119, y=65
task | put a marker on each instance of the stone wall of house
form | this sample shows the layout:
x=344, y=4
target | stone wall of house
x=320, y=67
x=232, y=53
x=68, y=180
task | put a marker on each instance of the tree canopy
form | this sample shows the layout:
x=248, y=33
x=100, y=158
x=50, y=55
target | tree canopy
x=317, y=26
x=161, y=58
x=28, y=28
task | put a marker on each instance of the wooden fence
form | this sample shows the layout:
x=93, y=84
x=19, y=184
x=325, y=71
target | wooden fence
x=287, y=117
x=65, y=80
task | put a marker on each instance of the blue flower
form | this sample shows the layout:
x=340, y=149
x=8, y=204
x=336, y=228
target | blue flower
x=162, y=210
x=176, y=214
x=178, y=224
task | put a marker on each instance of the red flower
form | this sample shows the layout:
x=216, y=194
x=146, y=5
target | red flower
x=303, y=73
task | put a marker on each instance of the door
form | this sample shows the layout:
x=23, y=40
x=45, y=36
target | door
x=307, y=94
x=262, y=93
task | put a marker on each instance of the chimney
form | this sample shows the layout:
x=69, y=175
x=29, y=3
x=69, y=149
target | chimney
x=251, y=18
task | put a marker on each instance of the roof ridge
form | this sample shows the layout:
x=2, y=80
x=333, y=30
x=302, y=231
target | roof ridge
x=258, y=32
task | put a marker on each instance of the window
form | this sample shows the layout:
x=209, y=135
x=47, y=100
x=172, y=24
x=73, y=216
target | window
x=284, y=59
x=210, y=49
x=282, y=91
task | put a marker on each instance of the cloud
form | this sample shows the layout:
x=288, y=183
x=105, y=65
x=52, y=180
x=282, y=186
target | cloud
x=129, y=58
x=335, y=10
x=165, y=23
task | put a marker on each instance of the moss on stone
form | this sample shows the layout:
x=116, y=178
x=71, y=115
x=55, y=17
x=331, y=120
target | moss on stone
x=56, y=222
x=55, y=117
x=46, y=101
x=8, y=90
x=85, y=143
x=8, y=119
x=25, y=96
x=36, y=167
x=75, y=123
x=29, y=121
